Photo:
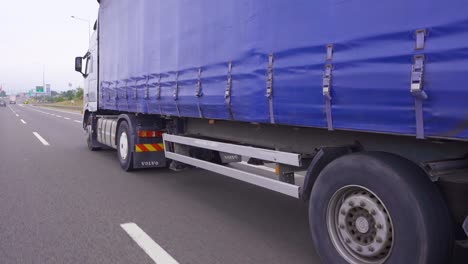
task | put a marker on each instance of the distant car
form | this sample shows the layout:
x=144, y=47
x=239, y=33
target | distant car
x=2, y=104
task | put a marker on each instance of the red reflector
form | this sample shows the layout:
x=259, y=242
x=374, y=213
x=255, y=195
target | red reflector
x=149, y=134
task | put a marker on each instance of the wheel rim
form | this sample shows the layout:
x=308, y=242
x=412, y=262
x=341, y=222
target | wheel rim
x=360, y=226
x=123, y=145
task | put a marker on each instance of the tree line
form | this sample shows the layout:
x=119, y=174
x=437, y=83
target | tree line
x=68, y=95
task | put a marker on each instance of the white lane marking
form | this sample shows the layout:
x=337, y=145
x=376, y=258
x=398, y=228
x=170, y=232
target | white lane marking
x=41, y=139
x=67, y=118
x=22, y=121
x=17, y=115
x=39, y=111
x=154, y=251
x=12, y=109
x=78, y=121
x=57, y=110
x=258, y=166
x=22, y=105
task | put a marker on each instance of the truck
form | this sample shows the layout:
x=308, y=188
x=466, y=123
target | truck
x=367, y=99
x=12, y=99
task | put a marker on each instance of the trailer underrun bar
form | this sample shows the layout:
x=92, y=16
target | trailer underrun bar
x=264, y=154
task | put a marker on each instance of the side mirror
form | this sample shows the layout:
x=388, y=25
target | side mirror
x=79, y=64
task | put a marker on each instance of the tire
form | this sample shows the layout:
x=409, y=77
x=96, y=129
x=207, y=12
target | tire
x=125, y=146
x=90, y=136
x=382, y=198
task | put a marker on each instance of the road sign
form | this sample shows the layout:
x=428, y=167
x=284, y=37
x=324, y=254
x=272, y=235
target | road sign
x=39, y=89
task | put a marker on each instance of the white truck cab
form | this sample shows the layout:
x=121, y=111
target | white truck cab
x=88, y=67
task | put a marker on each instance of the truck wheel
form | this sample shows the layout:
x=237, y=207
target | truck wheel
x=125, y=146
x=375, y=208
x=90, y=134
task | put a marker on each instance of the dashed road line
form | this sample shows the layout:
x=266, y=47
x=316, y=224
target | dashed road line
x=22, y=121
x=154, y=251
x=12, y=110
x=41, y=139
x=17, y=115
x=40, y=111
x=67, y=112
x=59, y=116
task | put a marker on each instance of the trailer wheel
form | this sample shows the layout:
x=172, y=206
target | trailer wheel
x=375, y=208
x=125, y=146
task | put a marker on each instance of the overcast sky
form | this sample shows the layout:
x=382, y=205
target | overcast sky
x=37, y=33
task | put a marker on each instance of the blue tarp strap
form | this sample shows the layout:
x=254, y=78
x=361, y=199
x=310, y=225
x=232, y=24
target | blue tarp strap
x=417, y=74
x=199, y=93
x=135, y=91
x=326, y=90
x=126, y=90
x=109, y=91
x=176, y=93
x=102, y=90
x=418, y=93
x=126, y=94
x=135, y=95
x=147, y=78
x=116, y=97
x=116, y=89
x=158, y=94
x=158, y=89
x=227, y=93
x=269, y=87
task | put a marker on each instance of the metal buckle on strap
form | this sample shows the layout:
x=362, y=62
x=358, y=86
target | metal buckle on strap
x=176, y=88
x=420, y=35
x=329, y=56
x=417, y=74
x=326, y=83
x=227, y=93
x=198, y=92
x=269, y=84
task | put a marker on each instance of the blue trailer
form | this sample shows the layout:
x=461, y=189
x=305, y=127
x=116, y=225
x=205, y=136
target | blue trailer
x=368, y=98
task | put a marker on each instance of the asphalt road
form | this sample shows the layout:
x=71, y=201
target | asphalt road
x=61, y=203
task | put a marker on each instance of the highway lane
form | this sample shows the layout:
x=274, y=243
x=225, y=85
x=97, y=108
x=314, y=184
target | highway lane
x=64, y=204
x=45, y=216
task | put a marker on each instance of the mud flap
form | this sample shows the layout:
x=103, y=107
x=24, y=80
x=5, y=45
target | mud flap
x=145, y=160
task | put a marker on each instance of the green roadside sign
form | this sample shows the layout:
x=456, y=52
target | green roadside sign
x=39, y=89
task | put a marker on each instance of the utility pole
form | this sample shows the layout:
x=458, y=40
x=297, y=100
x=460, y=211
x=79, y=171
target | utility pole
x=89, y=26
